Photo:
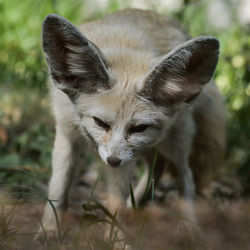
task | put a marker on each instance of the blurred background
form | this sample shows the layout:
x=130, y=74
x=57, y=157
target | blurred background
x=26, y=122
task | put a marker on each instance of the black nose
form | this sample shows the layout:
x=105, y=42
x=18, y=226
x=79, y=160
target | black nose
x=113, y=161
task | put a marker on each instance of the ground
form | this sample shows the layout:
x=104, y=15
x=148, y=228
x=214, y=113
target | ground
x=223, y=219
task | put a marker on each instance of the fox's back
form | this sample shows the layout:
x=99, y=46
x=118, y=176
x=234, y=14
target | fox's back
x=136, y=29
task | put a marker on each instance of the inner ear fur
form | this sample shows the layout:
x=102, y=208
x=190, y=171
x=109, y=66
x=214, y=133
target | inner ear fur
x=75, y=63
x=181, y=74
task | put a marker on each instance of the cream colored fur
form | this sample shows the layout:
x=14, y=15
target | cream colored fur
x=191, y=141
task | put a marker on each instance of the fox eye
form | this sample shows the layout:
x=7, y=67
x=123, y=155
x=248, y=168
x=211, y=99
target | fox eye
x=101, y=124
x=138, y=129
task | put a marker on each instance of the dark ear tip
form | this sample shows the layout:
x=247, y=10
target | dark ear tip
x=52, y=19
x=211, y=41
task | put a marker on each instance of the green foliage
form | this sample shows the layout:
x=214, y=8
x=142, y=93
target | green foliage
x=25, y=120
x=21, y=59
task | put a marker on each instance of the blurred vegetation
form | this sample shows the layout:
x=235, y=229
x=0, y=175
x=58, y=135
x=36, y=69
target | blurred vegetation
x=26, y=123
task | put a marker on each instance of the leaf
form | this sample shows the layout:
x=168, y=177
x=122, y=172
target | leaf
x=10, y=160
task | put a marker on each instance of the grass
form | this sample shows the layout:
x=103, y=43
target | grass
x=6, y=231
x=94, y=213
x=88, y=231
x=143, y=228
x=26, y=124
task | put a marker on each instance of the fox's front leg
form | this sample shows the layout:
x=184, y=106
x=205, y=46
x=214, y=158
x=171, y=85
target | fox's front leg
x=119, y=180
x=62, y=166
x=176, y=148
x=186, y=190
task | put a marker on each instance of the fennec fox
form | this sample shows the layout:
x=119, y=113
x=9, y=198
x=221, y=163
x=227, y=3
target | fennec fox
x=132, y=82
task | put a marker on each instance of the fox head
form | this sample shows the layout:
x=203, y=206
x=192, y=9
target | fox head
x=125, y=100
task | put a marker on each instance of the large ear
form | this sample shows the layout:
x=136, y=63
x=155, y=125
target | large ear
x=76, y=64
x=180, y=76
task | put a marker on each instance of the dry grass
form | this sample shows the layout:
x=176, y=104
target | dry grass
x=225, y=224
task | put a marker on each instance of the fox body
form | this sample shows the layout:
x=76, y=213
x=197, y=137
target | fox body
x=132, y=83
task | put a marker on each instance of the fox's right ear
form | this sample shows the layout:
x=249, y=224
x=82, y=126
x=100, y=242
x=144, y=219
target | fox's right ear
x=76, y=64
x=179, y=76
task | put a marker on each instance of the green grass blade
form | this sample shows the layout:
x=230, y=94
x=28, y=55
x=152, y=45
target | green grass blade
x=150, y=177
x=132, y=199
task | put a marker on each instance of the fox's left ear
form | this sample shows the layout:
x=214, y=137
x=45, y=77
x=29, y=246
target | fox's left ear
x=180, y=76
x=76, y=64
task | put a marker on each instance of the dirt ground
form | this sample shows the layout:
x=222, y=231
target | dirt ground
x=224, y=220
